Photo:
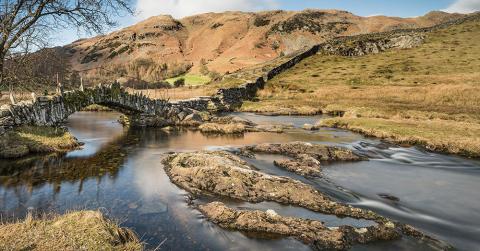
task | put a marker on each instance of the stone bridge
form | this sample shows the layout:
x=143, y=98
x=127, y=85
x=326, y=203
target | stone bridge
x=52, y=110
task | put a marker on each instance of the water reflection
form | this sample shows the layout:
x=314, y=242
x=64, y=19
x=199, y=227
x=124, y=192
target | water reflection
x=98, y=130
x=121, y=174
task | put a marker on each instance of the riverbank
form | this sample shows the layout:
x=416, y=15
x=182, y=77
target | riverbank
x=80, y=230
x=435, y=135
x=26, y=140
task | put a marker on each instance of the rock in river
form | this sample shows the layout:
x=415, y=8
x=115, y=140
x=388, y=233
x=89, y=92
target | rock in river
x=311, y=232
x=294, y=149
x=225, y=174
x=232, y=128
x=307, y=157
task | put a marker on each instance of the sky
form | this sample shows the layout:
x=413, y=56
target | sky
x=182, y=8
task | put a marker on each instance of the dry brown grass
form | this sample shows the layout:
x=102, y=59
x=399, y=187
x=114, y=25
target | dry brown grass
x=233, y=128
x=82, y=230
x=437, y=100
x=435, y=87
x=436, y=135
x=440, y=76
x=19, y=96
x=176, y=93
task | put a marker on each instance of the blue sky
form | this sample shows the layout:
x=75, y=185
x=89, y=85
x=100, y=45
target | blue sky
x=404, y=8
x=181, y=8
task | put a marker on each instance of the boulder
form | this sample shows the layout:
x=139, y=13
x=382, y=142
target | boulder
x=310, y=127
x=232, y=120
x=193, y=120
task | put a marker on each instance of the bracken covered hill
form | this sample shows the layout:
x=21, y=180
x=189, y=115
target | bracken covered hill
x=162, y=46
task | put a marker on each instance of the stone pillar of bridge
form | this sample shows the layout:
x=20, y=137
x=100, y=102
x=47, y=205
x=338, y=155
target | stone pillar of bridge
x=81, y=84
x=60, y=89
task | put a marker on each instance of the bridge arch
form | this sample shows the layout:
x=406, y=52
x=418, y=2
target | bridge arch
x=52, y=110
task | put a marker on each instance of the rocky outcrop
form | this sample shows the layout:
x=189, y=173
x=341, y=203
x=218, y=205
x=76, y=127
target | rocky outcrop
x=296, y=149
x=225, y=174
x=306, y=157
x=311, y=232
x=364, y=45
x=237, y=125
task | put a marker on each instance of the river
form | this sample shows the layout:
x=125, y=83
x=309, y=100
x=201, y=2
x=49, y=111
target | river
x=120, y=173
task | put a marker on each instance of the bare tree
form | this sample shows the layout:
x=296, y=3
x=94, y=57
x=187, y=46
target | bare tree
x=25, y=25
x=35, y=71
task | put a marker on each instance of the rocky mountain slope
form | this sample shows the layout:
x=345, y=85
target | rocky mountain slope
x=162, y=46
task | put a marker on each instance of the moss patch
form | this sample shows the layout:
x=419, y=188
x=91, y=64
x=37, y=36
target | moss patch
x=32, y=139
x=97, y=108
x=83, y=230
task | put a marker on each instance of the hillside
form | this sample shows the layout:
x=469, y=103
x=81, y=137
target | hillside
x=427, y=95
x=162, y=47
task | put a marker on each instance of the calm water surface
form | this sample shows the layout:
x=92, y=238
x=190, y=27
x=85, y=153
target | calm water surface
x=119, y=172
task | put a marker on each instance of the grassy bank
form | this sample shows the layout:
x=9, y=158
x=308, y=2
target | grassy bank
x=436, y=135
x=32, y=139
x=82, y=230
x=427, y=95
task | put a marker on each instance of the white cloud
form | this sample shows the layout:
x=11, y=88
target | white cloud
x=182, y=8
x=464, y=6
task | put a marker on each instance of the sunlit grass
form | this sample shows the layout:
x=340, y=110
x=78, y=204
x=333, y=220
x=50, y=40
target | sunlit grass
x=438, y=135
x=81, y=230
x=191, y=79
x=436, y=86
x=36, y=139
